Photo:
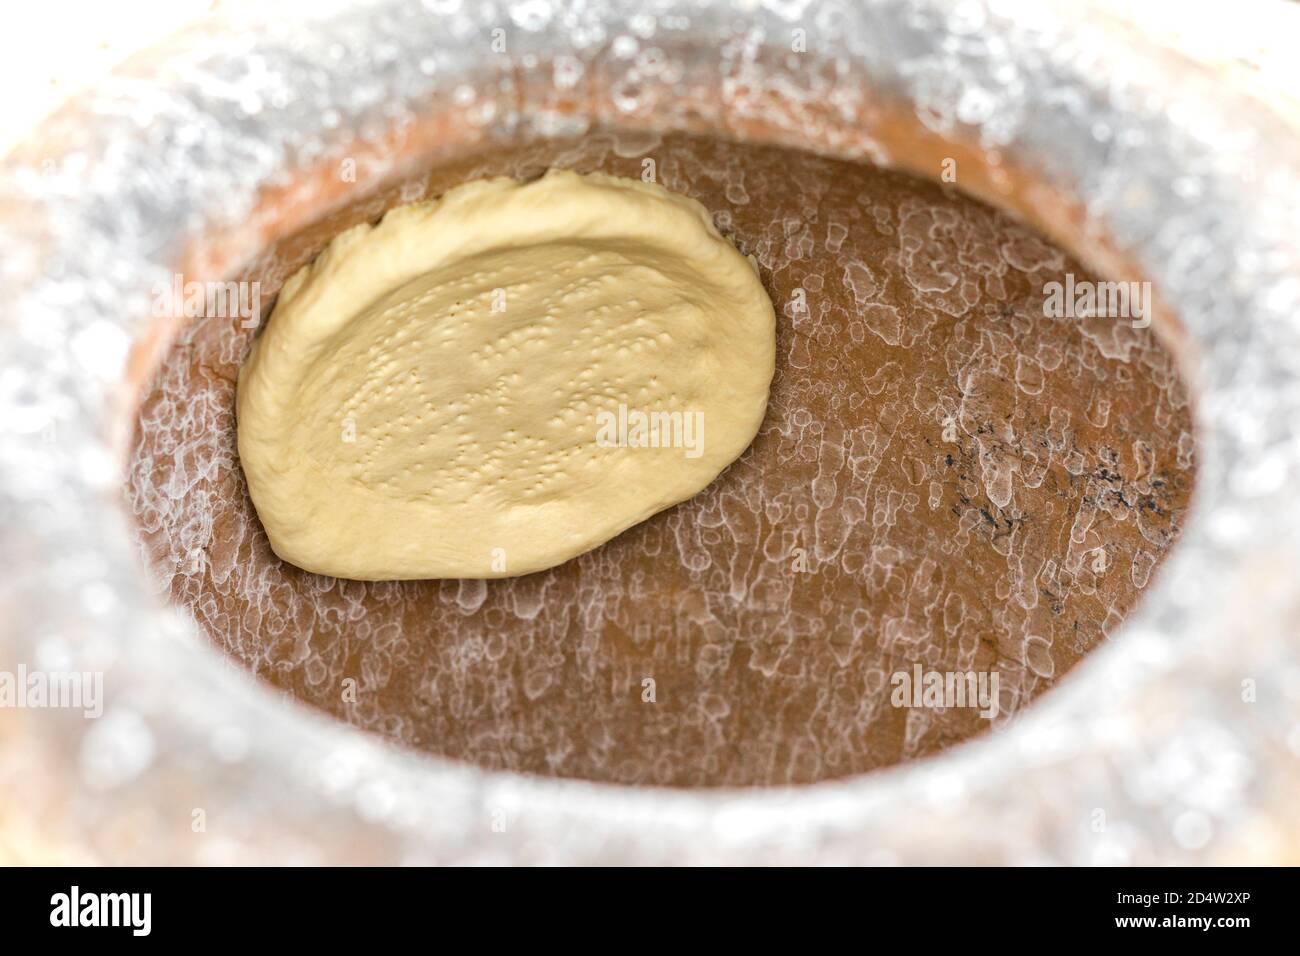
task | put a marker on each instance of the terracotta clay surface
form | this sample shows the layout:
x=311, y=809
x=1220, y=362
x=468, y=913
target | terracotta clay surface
x=944, y=477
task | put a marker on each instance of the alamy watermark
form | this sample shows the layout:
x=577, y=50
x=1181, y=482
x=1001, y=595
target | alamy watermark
x=70, y=690
x=131, y=911
x=946, y=689
x=1085, y=299
x=208, y=300
x=632, y=428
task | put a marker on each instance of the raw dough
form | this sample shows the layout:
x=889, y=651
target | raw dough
x=457, y=391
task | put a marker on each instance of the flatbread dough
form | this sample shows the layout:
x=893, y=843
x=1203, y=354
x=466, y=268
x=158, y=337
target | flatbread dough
x=485, y=385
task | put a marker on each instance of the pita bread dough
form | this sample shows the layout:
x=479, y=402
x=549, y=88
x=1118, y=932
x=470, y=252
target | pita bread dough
x=484, y=386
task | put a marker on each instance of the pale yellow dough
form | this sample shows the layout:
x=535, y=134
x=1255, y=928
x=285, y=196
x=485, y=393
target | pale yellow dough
x=427, y=400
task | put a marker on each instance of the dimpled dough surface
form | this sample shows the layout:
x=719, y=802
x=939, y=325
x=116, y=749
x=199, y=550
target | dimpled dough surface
x=438, y=396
